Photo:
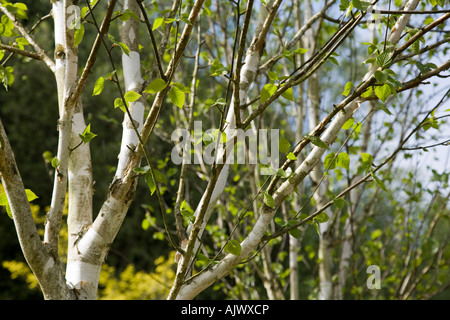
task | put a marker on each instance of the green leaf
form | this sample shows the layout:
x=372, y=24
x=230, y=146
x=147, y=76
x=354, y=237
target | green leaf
x=339, y=202
x=291, y=156
x=383, y=59
x=87, y=135
x=348, y=124
x=367, y=93
x=155, y=86
x=380, y=76
x=142, y=170
x=233, y=247
x=383, y=92
x=267, y=91
x=30, y=195
x=268, y=200
x=295, y=233
x=150, y=182
x=78, y=36
x=376, y=234
x=301, y=51
x=329, y=161
x=124, y=48
x=317, y=141
x=288, y=94
x=177, y=96
x=3, y=198
x=284, y=145
x=272, y=75
x=348, y=86
x=322, y=217
x=20, y=10
x=344, y=5
x=378, y=181
x=157, y=23
x=159, y=176
x=118, y=103
x=131, y=96
x=55, y=162
x=280, y=221
x=99, y=86
x=343, y=160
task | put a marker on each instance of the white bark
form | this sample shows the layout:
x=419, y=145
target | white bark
x=90, y=244
x=44, y=265
x=133, y=81
x=247, y=76
x=75, y=160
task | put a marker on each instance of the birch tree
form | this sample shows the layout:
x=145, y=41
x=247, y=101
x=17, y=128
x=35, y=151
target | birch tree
x=239, y=75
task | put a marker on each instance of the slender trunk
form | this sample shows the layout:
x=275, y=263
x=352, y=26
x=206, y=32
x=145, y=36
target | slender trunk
x=247, y=76
x=73, y=155
x=44, y=264
x=87, y=249
x=313, y=99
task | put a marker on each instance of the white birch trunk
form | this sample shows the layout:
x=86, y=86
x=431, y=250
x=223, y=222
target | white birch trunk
x=71, y=153
x=247, y=76
x=133, y=81
x=313, y=99
x=89, y=247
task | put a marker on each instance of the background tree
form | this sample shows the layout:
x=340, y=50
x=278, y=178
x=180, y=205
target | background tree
x=252, y=230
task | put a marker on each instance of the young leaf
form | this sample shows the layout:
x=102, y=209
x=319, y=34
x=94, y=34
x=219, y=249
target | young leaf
x=339, y=202
x=317, y=141
x=155, y=86
x=233, y=247
x=157, y=23
x=177, y=96
x=131, y=96
x=99, y=86
x=291, y=156
x=343, y=160
x=367, y=93
x=78, y=36
x=150, y=182
x=380, y=76
x=30, y=195
x=272, y=75
x=322, y=217
x=348, y=124
x=383, y=59
x=383, y=92
x=267, y=91
x=284, y=145
x=118, y=103
x=288, y=94
x=124, y=48
x=378, y=181
x=329, y=162
x=280, y=221
x=301, y=51
x=268, y=200
x=87, y=135
x=55, y=162
x=376, y=233
x=348, y=86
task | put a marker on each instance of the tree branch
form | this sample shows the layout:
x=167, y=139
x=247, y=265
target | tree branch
x=25, y=53
x=43, y=56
